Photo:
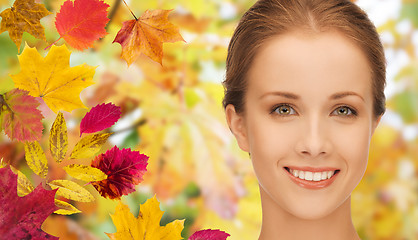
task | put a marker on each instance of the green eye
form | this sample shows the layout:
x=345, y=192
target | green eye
x=344, y=111
x=284, y=110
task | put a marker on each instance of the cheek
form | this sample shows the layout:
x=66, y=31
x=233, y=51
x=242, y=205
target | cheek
x=269, y=143
x=352, y=145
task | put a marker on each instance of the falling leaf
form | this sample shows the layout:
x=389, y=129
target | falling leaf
x=24, y=186
x=88, y=146
x=146, y=226
x=71, y=190
x=24, y=16
x=20, y=117
x=147, y=35
x=22, y=217
x=36, y=159
x=124, y=169
x=82, y=22
x=85, y=173
x=209, y=234
x=58, y=142
x=100, y=117
x=65, y=208
x=52, y=78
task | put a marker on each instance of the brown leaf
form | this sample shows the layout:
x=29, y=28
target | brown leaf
x=146, y=35
x=24, y=16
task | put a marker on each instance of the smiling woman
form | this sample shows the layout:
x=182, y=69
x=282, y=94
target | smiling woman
x=304, y=94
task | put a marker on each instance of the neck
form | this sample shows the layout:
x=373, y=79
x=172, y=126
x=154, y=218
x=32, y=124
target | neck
x=279, y=224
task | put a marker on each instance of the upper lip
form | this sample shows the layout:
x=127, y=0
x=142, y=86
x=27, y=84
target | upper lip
x=312, y=169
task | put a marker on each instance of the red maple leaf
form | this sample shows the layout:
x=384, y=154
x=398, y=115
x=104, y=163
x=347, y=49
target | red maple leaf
x=21, y=119
x=22, y=217
x=209, y=234
x=82, y=22
x=100, y=117
x=124, y=169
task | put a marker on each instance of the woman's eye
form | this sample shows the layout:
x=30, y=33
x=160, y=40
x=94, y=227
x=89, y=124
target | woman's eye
x=344, y=111
x=284, y=110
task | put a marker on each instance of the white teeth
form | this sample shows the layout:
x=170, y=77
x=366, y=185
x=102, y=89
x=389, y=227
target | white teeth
x=301, y=174
x=308, y=176
x=312, y=176
x=330, y=173
x=317, y=176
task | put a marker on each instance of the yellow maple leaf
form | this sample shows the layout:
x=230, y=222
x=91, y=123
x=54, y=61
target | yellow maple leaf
x=52, y=78
x=24, y=16
x=146, y=35
x=146, y=226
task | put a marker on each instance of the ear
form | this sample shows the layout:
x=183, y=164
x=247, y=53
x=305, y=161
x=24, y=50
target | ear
x=236, y=123
x=376, y=123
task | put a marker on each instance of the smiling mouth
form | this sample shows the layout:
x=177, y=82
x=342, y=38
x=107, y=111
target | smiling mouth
x=312, y=176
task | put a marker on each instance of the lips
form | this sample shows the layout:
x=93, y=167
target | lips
x=312, y=178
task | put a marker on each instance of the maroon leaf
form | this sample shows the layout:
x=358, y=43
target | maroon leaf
x=22, y=217
x=209, y=234
x=100, y=117
x=124, y=169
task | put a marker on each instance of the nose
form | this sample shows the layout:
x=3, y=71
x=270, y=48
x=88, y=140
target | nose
x=314, y=140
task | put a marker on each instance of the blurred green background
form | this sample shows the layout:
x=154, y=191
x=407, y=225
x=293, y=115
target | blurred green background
x=173, y=114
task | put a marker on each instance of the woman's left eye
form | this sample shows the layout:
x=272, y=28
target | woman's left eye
x=344, y=111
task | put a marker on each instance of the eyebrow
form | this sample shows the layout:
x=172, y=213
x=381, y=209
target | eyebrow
x=293, y=96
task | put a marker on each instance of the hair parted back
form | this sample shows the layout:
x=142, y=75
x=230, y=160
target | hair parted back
x=269, y=18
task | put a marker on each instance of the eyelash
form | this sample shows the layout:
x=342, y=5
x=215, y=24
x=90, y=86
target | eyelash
x=352, y=111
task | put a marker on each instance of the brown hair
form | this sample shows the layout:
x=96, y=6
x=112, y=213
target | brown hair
x=269, y=18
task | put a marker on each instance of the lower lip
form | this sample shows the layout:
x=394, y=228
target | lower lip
x=312, y=184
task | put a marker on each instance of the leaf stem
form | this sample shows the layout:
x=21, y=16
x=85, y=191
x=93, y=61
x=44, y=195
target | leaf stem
x=53, y=43
x=138, y=123
x=136, y=19
x=4, y=103
x=112, y=12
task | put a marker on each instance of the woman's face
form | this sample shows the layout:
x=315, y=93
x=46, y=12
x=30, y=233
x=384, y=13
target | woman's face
x=308, y=121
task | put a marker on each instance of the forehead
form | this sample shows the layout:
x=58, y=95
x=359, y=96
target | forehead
x=325, y=62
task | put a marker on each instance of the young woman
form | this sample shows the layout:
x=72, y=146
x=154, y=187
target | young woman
x=303, y=95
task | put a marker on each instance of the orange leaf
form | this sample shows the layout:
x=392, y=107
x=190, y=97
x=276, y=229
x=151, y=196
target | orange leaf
x=147, y=35
x=24, y=16
x=82, y=22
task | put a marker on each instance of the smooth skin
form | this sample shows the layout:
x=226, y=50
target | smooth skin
x=309, y=103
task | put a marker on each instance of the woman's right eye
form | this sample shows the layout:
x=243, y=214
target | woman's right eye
x=284, y=110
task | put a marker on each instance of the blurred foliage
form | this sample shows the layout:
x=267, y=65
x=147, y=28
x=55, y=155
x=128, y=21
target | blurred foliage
x=173, y=114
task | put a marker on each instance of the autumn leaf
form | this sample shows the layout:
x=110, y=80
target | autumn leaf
x=24, y=16
x=36, y=159
x=71, y=190
x=82, y=22
x=58, y=142
x=209, y=234
x=20, y=118
x=65, y=208
x=124, y=169
x=147, y=35
x=24, y=186
x=100, y=117
x=89, y=145
x=52, y=78
x=146, y=226
x=22, y=217
x=85, y=173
